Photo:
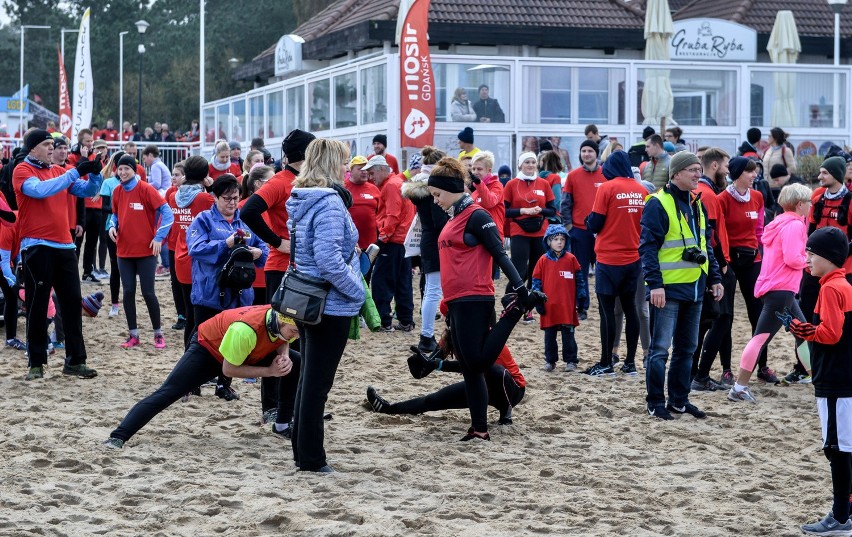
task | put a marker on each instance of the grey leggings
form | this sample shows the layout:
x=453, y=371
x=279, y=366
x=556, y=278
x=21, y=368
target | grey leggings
x=643, y=309
x=144, y=267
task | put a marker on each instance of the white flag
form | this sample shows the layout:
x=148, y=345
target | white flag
x=83, y=86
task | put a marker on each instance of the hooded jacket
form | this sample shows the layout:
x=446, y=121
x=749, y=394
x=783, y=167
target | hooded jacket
x=324, y=246
x=432, y=220
x=784, y=255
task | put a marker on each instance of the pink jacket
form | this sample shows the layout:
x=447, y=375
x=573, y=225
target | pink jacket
x=784, y=255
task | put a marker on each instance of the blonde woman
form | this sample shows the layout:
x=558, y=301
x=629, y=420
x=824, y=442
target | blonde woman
x=221, y=163
x=461, y=108
x=612, y=146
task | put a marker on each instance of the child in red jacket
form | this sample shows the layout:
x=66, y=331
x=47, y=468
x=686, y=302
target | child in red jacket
x=557, y=273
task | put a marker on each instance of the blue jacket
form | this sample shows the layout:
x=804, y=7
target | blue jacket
x=205, y=240
x=325, y=240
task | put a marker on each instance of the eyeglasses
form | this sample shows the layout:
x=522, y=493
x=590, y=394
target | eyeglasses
x=695, y=170
x=233, y=199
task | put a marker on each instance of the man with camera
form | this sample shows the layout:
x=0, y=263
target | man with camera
x=677, y=265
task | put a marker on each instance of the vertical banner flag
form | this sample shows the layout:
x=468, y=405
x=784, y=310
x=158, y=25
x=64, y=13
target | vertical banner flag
x=83, y=85
x=416, y=94
x=64, y=102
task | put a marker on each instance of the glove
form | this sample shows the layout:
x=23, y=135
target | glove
x=539, y=308
x=474, y=179
x=535, y=299
x=785, y=317
x=419, y=365
x=802, y=330
x=522, y=293
x=85, y=167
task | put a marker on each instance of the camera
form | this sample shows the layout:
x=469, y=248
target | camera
x=239, y=237
x=694, y=255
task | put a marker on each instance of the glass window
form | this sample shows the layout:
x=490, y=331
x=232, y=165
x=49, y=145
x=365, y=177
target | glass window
x=275, y=113
x=223, y=121
x=700, y=97
x=374, y=108
x=572, y=95
x=238, y=121
x=319, y=103
x=798, y=99
x=209, y=124
x=255, y=128
x=296, y=108
x=345, y=101
x=488, y=104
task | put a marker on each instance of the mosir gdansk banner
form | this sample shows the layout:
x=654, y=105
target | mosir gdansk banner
x=417, y=89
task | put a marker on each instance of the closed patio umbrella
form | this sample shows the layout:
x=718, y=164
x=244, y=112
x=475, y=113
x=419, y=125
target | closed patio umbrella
x=657, y=99
x=784, y=47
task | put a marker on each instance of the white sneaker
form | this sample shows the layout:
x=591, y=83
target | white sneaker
x=113, y=311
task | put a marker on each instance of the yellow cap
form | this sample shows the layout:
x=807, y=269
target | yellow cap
x=357, y=160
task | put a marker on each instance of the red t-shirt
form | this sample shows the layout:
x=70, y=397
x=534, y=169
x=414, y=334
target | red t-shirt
x=109, y=135
x=275, y=193
x=465, y=270
x=711, y=205
x=395, y=212
x=558, y=283
x=233, y=170
x=10, y=240
x=582, y=185
x=183, y=219
x=137, y=219
x=621, y=201
x=45, y=218
x=743, y=221
x=364, y=210
x=829, y=218
x=489, y=195
x=524, y=194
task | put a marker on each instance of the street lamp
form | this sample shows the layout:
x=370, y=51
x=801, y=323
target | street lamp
x=63, y=32
x=121, y=80
x=141, y=26
x=21, y=100
x=836, y=6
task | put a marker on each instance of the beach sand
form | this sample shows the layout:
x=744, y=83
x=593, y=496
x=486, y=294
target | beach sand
x=582, y=458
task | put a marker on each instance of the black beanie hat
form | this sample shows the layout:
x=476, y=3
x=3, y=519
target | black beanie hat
x=836, y=166
x=196, y=169
x=466, y=135
x=127, y=160
x=35, y=137
x=381, y=138
x=294, y=145
x=59, y=140
x=831, y=243
x=778, y=170
x=753, y=135
x=592, y=144
x=647, y=132
x=736, y=167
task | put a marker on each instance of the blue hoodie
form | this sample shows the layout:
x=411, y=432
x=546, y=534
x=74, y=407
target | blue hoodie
x=617, y=165
x=325, y=241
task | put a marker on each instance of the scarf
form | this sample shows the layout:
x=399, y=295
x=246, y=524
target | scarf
x=459, y=206
x=36, y=162
x=829, y=196
x=221, y=167
x=732, y=190
x=526, y=177
x=130, y=185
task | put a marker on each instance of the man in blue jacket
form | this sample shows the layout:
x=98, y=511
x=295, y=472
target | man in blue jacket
x=677, y=266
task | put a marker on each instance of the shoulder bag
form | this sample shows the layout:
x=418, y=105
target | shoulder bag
x=300, y=296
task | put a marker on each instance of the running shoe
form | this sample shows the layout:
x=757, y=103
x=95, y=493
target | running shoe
x=505, y=417
x=226, y=392
x=687, y=408
x=377, y=402
x=286, y=432
x=58, y=345
x=598, y=370
x=130, y=342
x=89, y=278
x=34, y=373
x=269, y=416
x=705, y=385
x=660, y=412
x=582, y=315
x=727, y=378
x=473, y=435
x=570, y=367
x=548, y=367
x=161, y=272
x=250, y=380
x=384, y=328
x=159, y=341
x=100, y=273
x=80, y=370
x=767, y=375
x=113, y=443
x=629, y=369
x=528, y=318
x=828, y=526
x=16, y=344
x=180, y=324
x=400, y=327
x=796, y=377
x=51, y=350
x=744, y=395
x=615, y=359
x=113, y=311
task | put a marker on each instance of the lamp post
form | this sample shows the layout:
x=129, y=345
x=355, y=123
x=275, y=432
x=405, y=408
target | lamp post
x=141, y=26
x=21, y=100
x=64, y=31
x=202, y=133
x=121, y=81
x=836, y=6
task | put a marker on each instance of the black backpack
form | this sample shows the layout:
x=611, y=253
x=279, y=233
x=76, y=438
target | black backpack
x=6, y=178
x=237, y=273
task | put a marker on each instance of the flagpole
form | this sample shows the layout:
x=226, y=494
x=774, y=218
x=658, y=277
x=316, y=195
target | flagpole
x=121, y=80
x=201, y=128
x=21, y=101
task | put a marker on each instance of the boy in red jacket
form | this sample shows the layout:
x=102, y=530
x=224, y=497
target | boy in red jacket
x=558, y=274
x=830, y=335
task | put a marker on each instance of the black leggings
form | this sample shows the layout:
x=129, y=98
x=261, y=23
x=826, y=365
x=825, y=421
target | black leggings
x=606, y=306
x=196, y=366
x=477, y=347
x=186, y=291
x=177, y=294
x=503, y=394
x=525, y=252
x=10, y=309
x=114, y=273
x=746, y=269
x=714, y=336
x=144, y=267
x=104, y=242
x=91, y=232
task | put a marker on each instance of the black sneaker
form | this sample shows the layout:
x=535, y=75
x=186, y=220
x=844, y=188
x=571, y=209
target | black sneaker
x=427, y=345
x=582, y=315
x=598, y=370
x=629, y=369
x=615, y=359
x=471, y=435
x=81, y=370
x=687, y=408
x=659, y=412
x=113, y=443
x=377, y=402
x=704, y=385
x=285, y=433
x=384, y=328
x=180, y=324
x=226, y=392
x=88, y=278
x=269, y=416
x=403, y=327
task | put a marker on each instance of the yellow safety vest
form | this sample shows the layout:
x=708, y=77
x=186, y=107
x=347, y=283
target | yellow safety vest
x=677, y=239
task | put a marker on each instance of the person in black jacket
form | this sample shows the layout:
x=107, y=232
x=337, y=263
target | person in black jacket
x=487, y=109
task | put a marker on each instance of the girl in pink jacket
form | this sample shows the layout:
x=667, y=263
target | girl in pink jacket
x=784, y=258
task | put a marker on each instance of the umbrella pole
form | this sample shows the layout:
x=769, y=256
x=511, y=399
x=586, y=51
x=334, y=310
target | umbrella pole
x=663, y=127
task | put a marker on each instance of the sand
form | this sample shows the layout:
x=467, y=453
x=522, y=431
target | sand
x=582, y=458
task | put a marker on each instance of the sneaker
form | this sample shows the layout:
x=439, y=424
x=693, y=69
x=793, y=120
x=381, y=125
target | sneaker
x=705, y=385
x=427, y=345
x=377, y=402
x=687, y=408
x=727, y=378
x=113, y=443
x=793, y=377
x=629, y=369
x=510, y=302
x=130, y=342
x=548, y=367
x=570, y=367
x=101, y=273
x=159, y=341
x=615, y=360
x=404, y=327
x=269, y=416
x=179, y=325
x=58, y=345
x=16, y=344
x=744, y=395
x=35, y=373
x=384, y=328
x=80, y=370
x=226, y=392
x=528, y=318
x=287, y=432
x=660, y=412
x=598, y=370
x=161, y=272
x=582, y=315
x=828, y=526
x=472, y=435
x=250, y=380
x=89, y=278
x=51, y=350
x=767, y=375
x=113, y=311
